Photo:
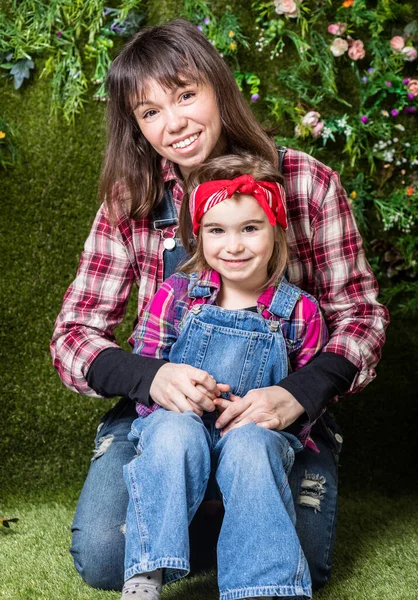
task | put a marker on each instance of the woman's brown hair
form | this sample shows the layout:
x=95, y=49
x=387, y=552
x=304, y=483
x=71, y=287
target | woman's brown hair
x=229, y=167
x=172, y=54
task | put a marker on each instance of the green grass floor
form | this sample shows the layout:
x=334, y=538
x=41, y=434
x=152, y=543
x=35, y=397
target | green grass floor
x=375, y=558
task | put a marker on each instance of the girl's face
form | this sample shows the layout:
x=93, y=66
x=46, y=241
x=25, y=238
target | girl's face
x=181, y=124
x=238, y=242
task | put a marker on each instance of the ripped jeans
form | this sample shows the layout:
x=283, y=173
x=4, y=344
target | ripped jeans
x=98, y=543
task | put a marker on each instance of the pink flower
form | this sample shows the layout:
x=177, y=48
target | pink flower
x=339, y=46
x=413, y=86
x=317, y=130
x=337, y=28
x=286, y=7
x=356, y=50
x=397, y=43
x=311, y=118
x=409, y=53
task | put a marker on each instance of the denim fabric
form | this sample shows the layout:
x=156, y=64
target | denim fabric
x=258, y=550
x=98, y=543
x=168, y=480
x=237, y=347
x=165, y=216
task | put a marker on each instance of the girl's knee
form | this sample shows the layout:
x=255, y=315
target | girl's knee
x=175, y=433
x=256, y=448
x=251, y=437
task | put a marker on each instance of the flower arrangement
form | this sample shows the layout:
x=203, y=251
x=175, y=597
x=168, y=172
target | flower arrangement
x=338, y=79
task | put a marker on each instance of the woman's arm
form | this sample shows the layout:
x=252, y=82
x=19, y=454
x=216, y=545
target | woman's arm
x=347, y=292
x=94, y=304
x=346, y=286
x=324, y=375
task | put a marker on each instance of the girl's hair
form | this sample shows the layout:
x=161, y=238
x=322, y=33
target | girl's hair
x=173, y=54
x=229, y=167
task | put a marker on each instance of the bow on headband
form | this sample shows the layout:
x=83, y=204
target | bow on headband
x=269, y=195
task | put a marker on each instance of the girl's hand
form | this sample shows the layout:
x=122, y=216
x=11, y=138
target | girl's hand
x=179, y=387
x=270, y=407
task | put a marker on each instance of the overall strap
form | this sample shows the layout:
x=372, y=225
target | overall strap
x=164, y=214
x=282, y=153
x=284, y=299
x=197, y=291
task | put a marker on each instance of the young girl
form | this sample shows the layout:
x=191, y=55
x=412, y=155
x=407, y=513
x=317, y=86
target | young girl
x=232, y=313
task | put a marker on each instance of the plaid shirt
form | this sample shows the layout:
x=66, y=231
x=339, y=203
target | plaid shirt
x=305, y=333
x=327, y=260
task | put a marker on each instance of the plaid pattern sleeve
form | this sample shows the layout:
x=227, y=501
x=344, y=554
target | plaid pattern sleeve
x=157, y=329
x=308, y=332
x=347, y=287
x=93, y=305
x=327, y=260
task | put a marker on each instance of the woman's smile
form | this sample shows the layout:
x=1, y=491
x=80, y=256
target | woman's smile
x=182, y=124
x=186, y=143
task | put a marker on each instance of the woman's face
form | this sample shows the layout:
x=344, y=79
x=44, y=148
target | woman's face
x=181, y=124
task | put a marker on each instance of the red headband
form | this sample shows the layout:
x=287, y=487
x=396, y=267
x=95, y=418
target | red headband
x=269, y=195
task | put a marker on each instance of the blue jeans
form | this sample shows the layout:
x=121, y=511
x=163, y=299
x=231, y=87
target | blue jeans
x=259, y=553
x=98, y=543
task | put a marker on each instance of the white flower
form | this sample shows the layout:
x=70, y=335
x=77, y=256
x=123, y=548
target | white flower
x=339, y=46
x=326, y=133
x=400, y=127
x=342, y=122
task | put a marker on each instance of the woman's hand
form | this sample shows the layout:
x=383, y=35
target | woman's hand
x=179, y=387
x=270, y=407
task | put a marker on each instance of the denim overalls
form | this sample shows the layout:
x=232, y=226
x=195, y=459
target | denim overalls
x=238, y=347
x=259, y=553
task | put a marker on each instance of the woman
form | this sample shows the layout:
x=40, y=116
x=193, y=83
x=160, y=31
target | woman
x=172, y=104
